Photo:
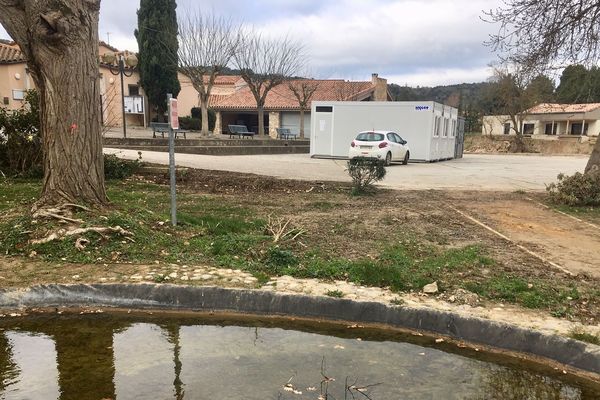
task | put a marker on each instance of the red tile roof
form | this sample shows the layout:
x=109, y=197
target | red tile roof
x=282, y=98
x=550, y=108
x=10, y=54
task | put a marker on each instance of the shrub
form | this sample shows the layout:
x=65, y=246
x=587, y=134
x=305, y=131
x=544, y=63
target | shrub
x=117, y=168
x=20, y=139
x=576, y=190
x=196, y=112
x=190, y=123
x=364, y=173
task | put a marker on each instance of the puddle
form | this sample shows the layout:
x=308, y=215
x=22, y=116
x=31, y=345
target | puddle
x=120, y=356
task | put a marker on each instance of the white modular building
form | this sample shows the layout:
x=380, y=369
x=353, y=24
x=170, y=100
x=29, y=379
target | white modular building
x=431, y=129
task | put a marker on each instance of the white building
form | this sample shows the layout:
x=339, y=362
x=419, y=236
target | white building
x=548, y=120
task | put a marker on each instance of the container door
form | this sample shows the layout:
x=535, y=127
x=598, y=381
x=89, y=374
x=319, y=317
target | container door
x=323, y=131
x=460, y=138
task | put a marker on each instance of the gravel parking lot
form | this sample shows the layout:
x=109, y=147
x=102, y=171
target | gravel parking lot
x=473, y=172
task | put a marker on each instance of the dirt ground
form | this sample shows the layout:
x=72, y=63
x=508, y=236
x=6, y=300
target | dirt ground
x=572, y=244
x=555, y=237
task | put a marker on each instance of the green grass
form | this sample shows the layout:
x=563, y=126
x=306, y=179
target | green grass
x=579, y=334
x=529, y=293
x=588, y=213
x=338, y=294
x=18, y=192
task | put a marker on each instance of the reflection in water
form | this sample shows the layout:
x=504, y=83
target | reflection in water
x=31, y=372
x=117, y=357
x=143, y=363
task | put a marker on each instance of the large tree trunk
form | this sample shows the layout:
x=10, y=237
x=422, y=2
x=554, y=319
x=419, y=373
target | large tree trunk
x=301, y=122
x=60, y=41
x=594, y=161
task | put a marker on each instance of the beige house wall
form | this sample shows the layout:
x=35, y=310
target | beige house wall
x=13, y=77
x=188, y=96
x=494, y=125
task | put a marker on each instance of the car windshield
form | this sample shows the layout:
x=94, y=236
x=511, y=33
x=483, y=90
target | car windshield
x=370, y=137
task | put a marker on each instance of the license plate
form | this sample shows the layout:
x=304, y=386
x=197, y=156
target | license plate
x=366, y=147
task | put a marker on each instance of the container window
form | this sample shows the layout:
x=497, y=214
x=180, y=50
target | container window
x=446, y=126
x=324, y=109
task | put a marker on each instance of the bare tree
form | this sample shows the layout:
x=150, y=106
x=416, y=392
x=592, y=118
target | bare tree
x=514, y=94
x=348, y=90
x=303, y=90
x=541, y=35
x=265, y=63
x=110, y=99
x=60, y=41
x=206, y=46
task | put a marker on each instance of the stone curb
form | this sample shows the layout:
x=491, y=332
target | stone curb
x=566, y=351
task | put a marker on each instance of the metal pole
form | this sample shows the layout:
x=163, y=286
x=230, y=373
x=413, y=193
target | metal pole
x=121, y=73
x=172, y=166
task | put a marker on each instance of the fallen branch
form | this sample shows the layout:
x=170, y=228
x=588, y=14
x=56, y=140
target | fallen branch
x=62, y=233
x=278, y=228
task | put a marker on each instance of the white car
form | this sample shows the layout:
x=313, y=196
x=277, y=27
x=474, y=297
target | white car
x=383, y=145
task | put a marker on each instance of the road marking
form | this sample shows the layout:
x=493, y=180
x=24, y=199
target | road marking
x=564, y=213
x=525, y=249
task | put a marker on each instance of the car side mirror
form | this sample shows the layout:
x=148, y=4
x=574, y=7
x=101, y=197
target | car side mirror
x=404, y=142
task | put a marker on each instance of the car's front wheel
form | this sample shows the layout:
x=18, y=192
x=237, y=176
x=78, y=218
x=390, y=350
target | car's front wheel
x=388, y=159
x=406, y=157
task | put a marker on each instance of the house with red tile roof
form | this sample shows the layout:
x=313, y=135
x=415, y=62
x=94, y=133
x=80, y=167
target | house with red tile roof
x=548, y=120
x=282, y=109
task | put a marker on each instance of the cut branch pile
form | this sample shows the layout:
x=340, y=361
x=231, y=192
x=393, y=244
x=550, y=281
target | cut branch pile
x=64, y=214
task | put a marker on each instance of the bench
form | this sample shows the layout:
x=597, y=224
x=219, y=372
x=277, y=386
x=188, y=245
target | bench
x=240, y=131
x=286, y=134
x=164, y=127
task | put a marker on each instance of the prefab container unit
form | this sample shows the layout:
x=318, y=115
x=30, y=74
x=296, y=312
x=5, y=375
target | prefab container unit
x=429, y=128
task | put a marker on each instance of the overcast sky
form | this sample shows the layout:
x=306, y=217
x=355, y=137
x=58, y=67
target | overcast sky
x=412, y=42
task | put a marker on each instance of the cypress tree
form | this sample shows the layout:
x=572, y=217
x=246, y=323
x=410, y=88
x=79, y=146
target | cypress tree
x=157, y=41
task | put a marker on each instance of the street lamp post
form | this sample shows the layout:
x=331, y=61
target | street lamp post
x=116, y=65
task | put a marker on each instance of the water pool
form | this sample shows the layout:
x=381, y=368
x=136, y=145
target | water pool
x=126, y=356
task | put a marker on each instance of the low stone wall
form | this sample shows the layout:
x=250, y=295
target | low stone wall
x=506, y=144
x=214, y=147
x=569, y=352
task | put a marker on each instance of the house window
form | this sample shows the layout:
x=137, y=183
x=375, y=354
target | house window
x=578, y=129
x=6, y=100
x=528, y=129
x=134, y=90
x=18, y=94
x=550, y=129
x=453, y=133
x=507, y=128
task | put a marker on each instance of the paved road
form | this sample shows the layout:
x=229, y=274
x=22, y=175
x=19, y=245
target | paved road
x=473, y=172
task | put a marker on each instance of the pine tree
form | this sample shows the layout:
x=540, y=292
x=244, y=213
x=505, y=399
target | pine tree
x=157, y=41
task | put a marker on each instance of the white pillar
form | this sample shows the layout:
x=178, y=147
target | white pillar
x=583, y=127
